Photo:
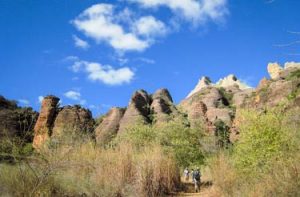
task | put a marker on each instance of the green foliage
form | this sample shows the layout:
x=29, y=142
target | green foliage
x=175, y=138
x=265, y=160
x=227, y=95
x=222, y=134
x=294, y=75
x=262, y=139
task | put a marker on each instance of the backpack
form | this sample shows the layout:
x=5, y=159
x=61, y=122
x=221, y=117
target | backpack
x=197, y=175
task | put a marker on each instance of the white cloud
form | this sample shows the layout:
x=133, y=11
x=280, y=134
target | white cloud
x=24, y=102
x=196, y=11
x=80, y=43
x=40, y=99
x=99, y=23
x=74, y=95
x=104, y=73
x=70, y=58
x=149, y=26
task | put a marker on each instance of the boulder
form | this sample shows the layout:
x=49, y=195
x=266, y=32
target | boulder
x=44, y=124
x=109, y=125
x=137, y=112
x=72, y=120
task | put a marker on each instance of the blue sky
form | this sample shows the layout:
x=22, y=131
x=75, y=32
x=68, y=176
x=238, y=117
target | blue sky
x=98, y=53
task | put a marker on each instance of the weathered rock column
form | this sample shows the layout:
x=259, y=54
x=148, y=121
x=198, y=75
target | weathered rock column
x=43, y=126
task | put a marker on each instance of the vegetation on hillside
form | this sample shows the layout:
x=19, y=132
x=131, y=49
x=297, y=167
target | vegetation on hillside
x=265, y=160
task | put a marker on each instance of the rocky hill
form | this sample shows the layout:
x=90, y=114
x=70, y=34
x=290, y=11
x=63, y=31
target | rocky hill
x=206, y=104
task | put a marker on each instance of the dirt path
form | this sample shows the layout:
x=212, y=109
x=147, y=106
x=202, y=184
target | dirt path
x=205, y=190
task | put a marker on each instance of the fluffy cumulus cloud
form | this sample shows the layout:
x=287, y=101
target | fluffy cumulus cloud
x=80, y=43
x=104, y=73
x=196, y=11
x=149, y=26
x=120, y=30
x=125, y=30
x=99, y=23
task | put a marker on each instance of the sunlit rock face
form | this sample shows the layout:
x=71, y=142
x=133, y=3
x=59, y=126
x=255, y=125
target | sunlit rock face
x=44, y=124
x=204, y=82
x=137, y=111
x=232, y=81
x=109, y=126
x=54, y=121
x=72, y=120
x=162, y=107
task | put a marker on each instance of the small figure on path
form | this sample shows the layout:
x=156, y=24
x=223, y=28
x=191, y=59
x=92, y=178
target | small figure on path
x=197, y=179
x=186, y=174
x=192, y=173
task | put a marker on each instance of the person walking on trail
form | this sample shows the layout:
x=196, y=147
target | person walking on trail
x=186, y=174
x=197, y=179
x=192, y=173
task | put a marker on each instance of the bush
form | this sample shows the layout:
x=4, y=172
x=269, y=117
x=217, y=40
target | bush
x=265, y=160
x=174, y=137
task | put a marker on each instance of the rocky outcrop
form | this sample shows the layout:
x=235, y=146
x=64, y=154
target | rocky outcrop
x=274, y=70
x=204, y=82
x=109, y=126
x=72, y=120
x=16, y=121
x=54, y=121
x=232, y=81
x=44, y=124
x=137, y=111
x=162, y=106
x=277, y=72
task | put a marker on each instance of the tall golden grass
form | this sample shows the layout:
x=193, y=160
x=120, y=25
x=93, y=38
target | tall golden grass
x=86, y=169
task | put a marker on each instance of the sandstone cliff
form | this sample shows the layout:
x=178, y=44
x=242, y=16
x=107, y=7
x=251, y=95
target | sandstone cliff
x=55, y=121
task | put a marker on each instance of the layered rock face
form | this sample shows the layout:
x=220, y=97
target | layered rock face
x=44, y=124
x=109, y=126
x=142, y=109
x=16, y=121
x=162, y=106
x=137, y=111
x=72, y=120
x=209, y=103
x=54, y=121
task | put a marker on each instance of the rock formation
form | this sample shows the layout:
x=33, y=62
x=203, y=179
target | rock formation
x=162, y=106
x=72, y=120
x=109, y=126
x=137, y=111
x=274, y=70
x=207, y=104
x=204, y=82
x=232, y=81
x=43, y=127
x=277, y=72
x=54, y=121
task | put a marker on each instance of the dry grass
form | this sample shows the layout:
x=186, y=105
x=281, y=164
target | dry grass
x=85, y=169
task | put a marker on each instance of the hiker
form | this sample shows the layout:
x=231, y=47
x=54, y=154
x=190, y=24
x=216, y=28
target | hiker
x=197, y=179
x=186, y=174
x=192, y=173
